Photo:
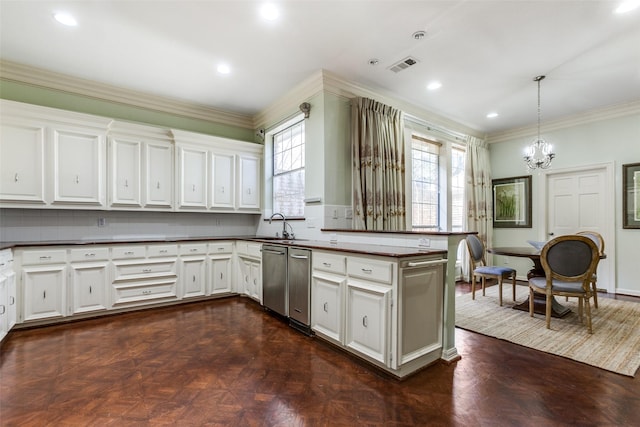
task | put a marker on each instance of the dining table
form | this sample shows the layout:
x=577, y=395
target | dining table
x=539, y=301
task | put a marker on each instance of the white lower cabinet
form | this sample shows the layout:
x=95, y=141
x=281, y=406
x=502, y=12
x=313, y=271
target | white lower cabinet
x=386, y=310
x=368, y=314
x=89, y=280
x=220, y=268
x=327, y=305
x=44, y=291
x=251, y=275
x=8, y=302
x=193, y=272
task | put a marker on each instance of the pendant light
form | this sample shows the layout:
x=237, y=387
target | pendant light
x=539, y=154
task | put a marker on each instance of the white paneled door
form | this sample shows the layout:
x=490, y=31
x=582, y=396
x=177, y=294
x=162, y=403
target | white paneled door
x=581, y=200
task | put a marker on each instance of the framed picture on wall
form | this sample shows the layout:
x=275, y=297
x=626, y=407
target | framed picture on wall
x=512, y=202
x=631, y=195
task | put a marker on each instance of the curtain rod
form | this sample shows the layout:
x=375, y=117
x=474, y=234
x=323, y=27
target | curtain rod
x=455, y=135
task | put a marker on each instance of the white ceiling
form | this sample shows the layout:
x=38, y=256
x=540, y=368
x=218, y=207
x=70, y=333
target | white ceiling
x=485, y=53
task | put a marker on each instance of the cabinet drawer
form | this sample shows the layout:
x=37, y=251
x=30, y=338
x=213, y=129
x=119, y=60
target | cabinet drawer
x=378, y=271
x=254, y=250
x=141, y=270
x=89, y=254
x=193, y=249
x=221, y=248
x=329, y=262
x=6, y=258
x=141, y=293
x=155, y=251
x=44, y=257
x=126, y=252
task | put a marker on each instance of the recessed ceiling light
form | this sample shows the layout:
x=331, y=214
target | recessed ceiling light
x=224, y=69
x=434, y=85
x=269, y=11
x=65, y=19
x=492, y=115
x=627, y=6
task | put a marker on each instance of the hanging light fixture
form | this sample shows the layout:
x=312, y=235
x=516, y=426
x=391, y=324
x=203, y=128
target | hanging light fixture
x=539, y=154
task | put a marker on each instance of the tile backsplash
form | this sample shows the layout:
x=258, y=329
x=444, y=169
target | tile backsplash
x=39, y=225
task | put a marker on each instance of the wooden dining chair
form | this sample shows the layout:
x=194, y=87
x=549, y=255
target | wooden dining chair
x=569, y=263
x=479, y=268
x=599, y=241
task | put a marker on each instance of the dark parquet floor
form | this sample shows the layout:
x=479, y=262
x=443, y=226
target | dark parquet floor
x=227, y=362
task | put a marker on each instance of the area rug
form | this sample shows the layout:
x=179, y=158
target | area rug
x=614, y=344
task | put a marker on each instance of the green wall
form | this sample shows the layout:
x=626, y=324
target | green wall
x=20, y=92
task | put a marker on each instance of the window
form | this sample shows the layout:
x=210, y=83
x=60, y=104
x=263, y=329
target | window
x=437, y=183
x=425, y=184
x=457, y=188
x=288, y=171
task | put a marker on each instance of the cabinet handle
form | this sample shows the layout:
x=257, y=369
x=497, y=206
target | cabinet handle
x=326, y=307
x=146, y=292
x=45, y=257
x=15, y=178
x=44, y=294
x=194, y=187
x=220, y=276
x=249, y=190
x=126, y=183
x=367, y=270
x=194, y=277
x=147, y=270
x=365, y=321
x=129, y=253
x=89, y=255
x=193, y=250
x=255, y=281
x=12, y=300
x=222, y=189
x=4, y=309
x=77, y=179
x=158, y=185
x=221, y=249
x=326, y=264
x=90, y=289
x=163, y=251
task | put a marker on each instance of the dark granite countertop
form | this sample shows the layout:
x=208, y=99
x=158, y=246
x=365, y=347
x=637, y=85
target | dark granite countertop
x=358, y=248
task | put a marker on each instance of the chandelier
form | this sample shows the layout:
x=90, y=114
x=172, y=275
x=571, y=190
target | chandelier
x=538, y=155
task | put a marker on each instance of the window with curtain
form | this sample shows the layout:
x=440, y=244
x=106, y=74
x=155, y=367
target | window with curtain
x=288, y=171
x=425, y=184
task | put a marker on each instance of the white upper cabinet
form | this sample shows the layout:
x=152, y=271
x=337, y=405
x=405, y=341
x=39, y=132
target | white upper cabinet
x=22, y=144
x=229, y=169
x=78, y=166
x=249, y=188
x=141, y=167
x=192, y=176
x=223, y=180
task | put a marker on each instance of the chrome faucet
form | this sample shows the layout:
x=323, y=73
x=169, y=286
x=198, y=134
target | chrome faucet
x=285, y=233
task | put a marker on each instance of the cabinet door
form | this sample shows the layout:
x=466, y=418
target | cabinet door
x=4, y=303
x=368, y=320
x=125, y=172
x=220, y=275
x=249, y=186
x=193, y=177
x=223, y=185
x=78, y=167
x=256, y=281
x=326, y=305
x=22, y=163
x=193, y=277
x=44, y=292
x=12, y=303
x=159, y=175
x=88, y=288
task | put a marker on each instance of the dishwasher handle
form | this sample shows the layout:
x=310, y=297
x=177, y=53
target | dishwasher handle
x=425, y=263
x=271, y=251
x=299, y=256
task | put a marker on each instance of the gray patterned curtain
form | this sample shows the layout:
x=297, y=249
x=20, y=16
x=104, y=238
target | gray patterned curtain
x=377, y=144
x=478, y=193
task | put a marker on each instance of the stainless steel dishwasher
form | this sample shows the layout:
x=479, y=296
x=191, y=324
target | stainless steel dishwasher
x=274, y=278
x=299, y=273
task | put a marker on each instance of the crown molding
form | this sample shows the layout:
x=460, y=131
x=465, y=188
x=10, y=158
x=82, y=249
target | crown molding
x=605, y=113
x=11, y=71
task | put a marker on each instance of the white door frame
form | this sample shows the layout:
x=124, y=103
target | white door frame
x=609, y=219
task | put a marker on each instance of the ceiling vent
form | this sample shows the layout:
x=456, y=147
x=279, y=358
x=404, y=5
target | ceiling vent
x=404, y=64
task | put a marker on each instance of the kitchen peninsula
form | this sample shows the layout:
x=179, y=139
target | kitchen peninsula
x=404, y=286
